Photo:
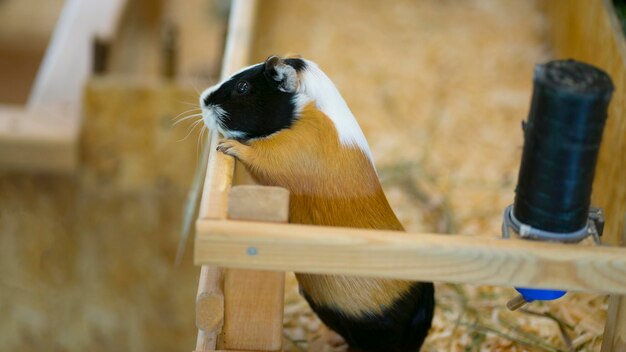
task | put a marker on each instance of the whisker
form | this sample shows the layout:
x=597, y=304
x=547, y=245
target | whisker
x=193, y=84
x=195, y=124
x=192, y=202
x=186, y=118
x=200, y=140
x=202, y=81
x=187, y=103
x=184, y=112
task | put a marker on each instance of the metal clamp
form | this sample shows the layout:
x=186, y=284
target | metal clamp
x=593, y=228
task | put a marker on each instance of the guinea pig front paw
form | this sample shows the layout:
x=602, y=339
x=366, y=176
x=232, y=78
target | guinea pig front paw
x=232, y=147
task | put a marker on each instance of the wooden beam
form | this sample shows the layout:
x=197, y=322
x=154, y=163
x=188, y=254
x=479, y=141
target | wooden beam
x=209, y=307
x=262, y=203
x=220, y=169
x=214, y=205
x=614, y=338
x=38, y=139
x=44, y=135
x=576, y=29
x=254, y=299
x=590, y=31
x=432, y=257
x=67, y=62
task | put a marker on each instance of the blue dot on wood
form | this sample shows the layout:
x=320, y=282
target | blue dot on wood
x=252, y=251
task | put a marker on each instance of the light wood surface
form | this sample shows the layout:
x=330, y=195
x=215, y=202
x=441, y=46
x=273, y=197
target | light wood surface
x=44, y=135
x=614, y=338
x=214, y=205
x=67, y=62
x=254, y=299
x=210, y=303
x=25, y=29
x=589, y=31
x=431, y=257
x=220, y=169
x=100, y=242
x=253, y=310
x=38, y=139
x=259, y=203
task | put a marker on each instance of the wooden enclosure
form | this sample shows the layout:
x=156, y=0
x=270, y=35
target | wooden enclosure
x=222, y=242
x=93, y=177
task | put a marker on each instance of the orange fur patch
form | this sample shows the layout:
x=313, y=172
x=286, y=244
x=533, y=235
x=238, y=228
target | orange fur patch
x=330, y=184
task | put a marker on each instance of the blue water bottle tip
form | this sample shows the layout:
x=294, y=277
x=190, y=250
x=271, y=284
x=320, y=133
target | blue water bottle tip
x=531, y=294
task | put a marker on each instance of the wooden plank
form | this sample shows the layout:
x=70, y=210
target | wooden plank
x=220, y=169
x=17, y=33
x=67, y=62
x=214, y=205
x=576, y=26
x=254, y=299
x=198, y=62
x=44, y=136
x=614, y=338
x=38, y=139
x=209, y=307
x=589, y=31
x=137, y=48
x=430, y=257
x=217, y=184
x=261, y=203
x=253, y=310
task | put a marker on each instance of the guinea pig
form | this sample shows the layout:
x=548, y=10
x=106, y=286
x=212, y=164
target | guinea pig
x=286, y=122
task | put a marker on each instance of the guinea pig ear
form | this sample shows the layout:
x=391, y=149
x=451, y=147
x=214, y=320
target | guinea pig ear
x=282, y=74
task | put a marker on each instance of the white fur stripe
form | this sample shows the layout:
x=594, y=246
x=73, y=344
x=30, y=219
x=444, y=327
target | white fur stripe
x=316, y=86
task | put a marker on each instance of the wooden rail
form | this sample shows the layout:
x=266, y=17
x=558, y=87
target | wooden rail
x=38, y=139
x=43, y=136
x=218, y=181
x=432, y=257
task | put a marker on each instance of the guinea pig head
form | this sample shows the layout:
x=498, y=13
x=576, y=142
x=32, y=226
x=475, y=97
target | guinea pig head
x=255, y=102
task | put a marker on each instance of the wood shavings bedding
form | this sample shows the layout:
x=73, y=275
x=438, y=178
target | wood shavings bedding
x=440, y=89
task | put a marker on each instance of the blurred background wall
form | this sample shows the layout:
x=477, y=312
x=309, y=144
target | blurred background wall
x=87, y=258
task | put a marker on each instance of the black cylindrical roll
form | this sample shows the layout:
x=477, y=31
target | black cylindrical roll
x=561, y=141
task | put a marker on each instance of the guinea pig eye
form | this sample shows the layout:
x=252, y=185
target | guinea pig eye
x=243, y=87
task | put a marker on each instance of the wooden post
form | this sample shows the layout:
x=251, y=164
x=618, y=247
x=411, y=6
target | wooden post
x=210, y=297
x=67, y=63
x=219, y=177
x=254, y=299
x=576, y=26
x=614, y=339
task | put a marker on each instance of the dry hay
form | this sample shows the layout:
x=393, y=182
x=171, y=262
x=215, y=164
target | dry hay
x=440, y=89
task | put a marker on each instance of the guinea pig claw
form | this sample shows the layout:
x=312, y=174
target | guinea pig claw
x=229, y=147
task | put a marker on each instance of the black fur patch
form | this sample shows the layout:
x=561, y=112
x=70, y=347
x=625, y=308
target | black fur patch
x=259, y=112
x=297, y=64
x=401, y=328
